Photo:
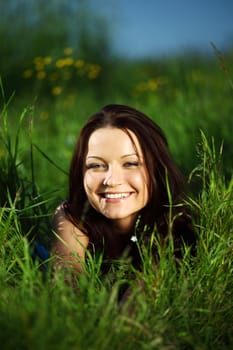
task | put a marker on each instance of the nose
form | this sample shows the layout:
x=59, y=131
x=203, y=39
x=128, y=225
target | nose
x=113, y=177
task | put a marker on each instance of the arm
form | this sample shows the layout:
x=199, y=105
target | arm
x=70, y=243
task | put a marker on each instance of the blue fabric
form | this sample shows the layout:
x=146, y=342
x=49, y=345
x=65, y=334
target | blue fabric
x=41, y=253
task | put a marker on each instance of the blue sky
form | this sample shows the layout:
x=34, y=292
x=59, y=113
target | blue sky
x=160, y=27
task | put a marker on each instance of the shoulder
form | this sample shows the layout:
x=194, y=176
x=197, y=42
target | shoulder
x=64, y=226
x=69, y=240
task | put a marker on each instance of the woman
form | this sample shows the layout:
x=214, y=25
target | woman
x=123, y=184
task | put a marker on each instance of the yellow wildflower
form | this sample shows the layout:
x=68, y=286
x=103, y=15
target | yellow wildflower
x=39, y=67
x=47, y=59
x=27, y=73
x=38, y=60
x=68, y=51
x=141, y=87
x=93, y=74
x=41, y=75
x=94, y=70
x=68, y=61
x=63, y=62
x=39, y=63
x=56, y=90
x=60, y=63
x=79, y=63
x=153, y=84
x=44, y=115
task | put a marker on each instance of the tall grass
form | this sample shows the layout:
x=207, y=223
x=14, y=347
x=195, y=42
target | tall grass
x=170, y=306
x=181, y=95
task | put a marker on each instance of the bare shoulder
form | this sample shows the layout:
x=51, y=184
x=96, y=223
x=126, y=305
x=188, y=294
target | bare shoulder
x=70, y=242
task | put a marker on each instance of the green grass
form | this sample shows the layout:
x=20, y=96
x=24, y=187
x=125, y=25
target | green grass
x=185, y=307
x=171, y=306
x=191, y=95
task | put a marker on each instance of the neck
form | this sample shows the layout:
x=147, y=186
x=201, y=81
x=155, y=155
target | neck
x=123, y=227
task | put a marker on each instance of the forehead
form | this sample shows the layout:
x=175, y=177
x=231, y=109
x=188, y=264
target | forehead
x=109, y=139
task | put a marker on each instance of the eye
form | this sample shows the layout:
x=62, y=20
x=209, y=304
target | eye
x=131, y=164
x=95, y=166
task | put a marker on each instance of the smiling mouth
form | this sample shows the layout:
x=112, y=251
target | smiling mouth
x=115, y=195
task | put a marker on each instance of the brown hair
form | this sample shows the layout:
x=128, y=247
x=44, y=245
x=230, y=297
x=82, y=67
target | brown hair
x=160, y=166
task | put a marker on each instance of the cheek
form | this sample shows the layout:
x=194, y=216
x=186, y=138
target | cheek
x=91, y=182
x=87, y=182
x=141, y=182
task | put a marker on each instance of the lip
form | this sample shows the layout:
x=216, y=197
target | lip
x=115, y=196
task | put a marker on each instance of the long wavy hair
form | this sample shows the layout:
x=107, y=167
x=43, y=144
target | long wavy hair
x=165, y=179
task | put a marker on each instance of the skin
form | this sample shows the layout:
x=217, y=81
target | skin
x=71, y=243
x=116, y=180
x=116, y=184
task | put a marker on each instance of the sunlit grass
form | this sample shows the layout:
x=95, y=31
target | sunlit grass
x=170, y=306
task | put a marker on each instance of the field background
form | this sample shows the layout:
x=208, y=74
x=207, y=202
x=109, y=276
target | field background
x=48, y=90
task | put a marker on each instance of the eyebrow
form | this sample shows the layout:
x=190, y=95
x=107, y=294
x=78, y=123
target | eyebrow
x=131, y=154
x=124, y=156
x=96, y=157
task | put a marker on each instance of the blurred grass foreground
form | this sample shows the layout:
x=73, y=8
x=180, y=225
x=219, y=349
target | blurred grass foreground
x=51, y=82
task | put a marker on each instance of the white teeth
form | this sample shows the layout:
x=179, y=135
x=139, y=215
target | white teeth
x=116, y=195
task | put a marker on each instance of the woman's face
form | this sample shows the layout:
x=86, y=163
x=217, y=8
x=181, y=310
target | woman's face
x=115, y=178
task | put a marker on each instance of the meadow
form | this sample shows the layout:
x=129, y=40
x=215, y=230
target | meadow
x=180, y=306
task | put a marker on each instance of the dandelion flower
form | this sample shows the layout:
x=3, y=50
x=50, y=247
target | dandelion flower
x=38, y=60
x=94, y=70
x=68, y=61
x=153, y=84
x=79, y=63
x=44, y=115
x=68, y=51
x=41, y=75
x=56, y=90
x=60, y=63
x=47, y=60
x=27, y=73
